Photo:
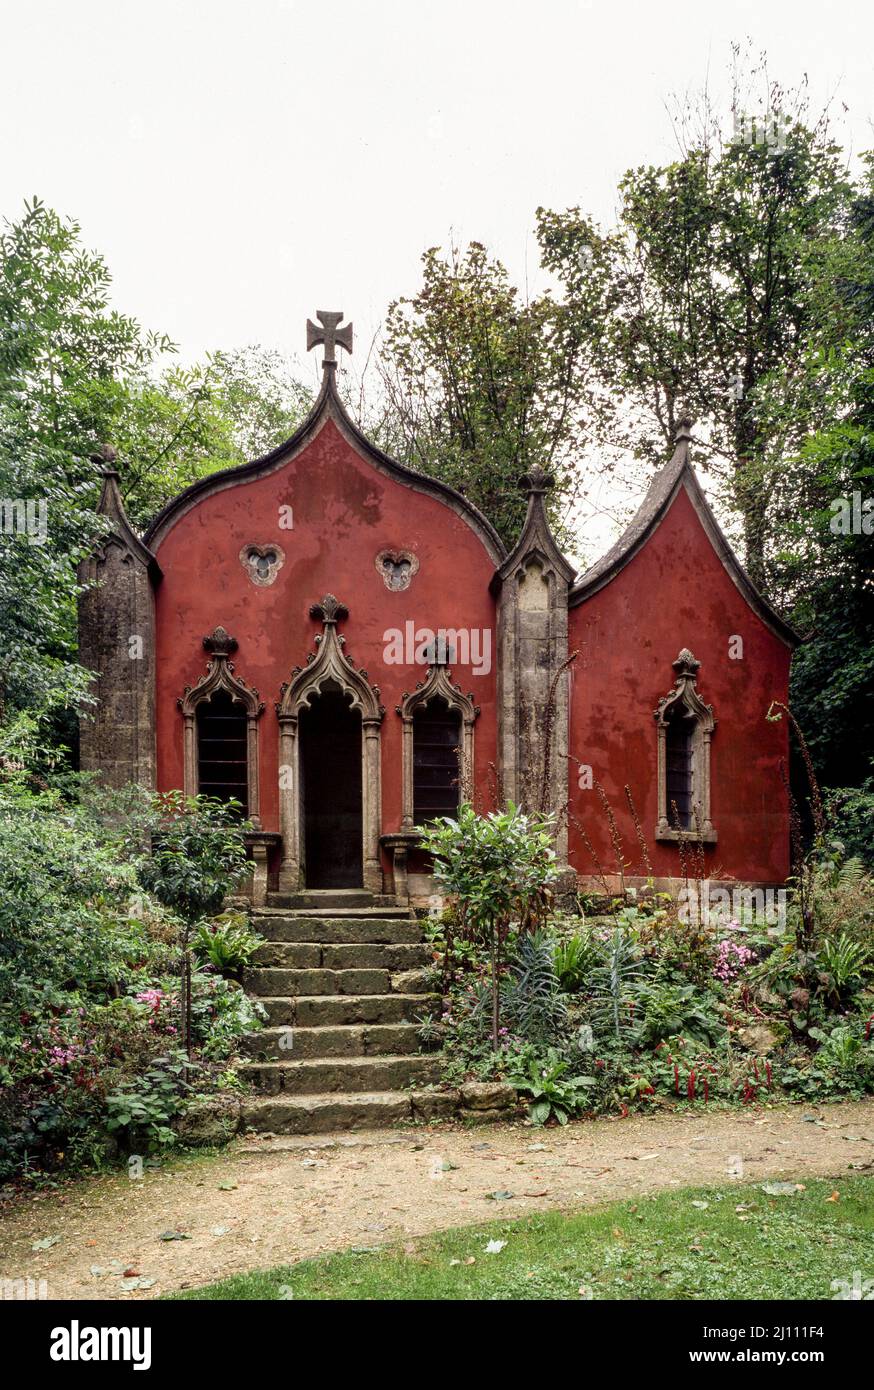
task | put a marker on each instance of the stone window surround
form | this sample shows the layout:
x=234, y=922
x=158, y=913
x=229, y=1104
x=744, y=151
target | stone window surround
x=246, y=553
x=685, y=693
x=220, y=676
x=438, y=684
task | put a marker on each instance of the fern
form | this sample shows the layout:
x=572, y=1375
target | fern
x=531, y=997
x=617, y=983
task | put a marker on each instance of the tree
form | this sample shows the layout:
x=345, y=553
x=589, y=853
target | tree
x=499, y=867
x=702, y=295
x=828, y=558
x=75, y=373
x=481, y=385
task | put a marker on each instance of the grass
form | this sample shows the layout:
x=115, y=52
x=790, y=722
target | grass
x=728, y=1242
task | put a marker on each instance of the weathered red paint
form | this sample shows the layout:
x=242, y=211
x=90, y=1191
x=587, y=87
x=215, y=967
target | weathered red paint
x=674, y=593
x=345, y=511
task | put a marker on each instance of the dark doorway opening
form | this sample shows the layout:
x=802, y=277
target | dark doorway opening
x=330, y=756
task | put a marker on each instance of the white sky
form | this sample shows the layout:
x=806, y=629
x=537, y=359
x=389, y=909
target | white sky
x=241, y=166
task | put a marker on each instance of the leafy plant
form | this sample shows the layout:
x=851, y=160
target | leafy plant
x=616, y=983
x=844, y=963
x=145, y=1106
x=499, y=868
x=669, y=1008
x=575, y=959
x=553, y=1093
x=531, y=996
x=227, y=943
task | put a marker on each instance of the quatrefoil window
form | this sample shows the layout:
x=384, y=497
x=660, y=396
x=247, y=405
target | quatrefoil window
x=396, y=568
x=262, y=563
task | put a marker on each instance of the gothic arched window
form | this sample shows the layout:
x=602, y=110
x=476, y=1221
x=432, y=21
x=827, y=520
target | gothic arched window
x=438, y=722
x=685, y=726
x=436, y=771
x=220, y=731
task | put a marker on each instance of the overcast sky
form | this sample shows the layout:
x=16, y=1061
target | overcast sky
x=241, y=166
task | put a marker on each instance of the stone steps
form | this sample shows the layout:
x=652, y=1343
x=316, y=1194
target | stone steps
x=278, y=981
x=290, y=1043
x=345, y=955
x=325, y=1114
x=343, y=979
x=328, y=1075
x=287, y=926
x=327, y=1010
x=323, y=901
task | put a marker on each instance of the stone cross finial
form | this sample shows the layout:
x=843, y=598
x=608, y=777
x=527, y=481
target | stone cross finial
x=330, y=334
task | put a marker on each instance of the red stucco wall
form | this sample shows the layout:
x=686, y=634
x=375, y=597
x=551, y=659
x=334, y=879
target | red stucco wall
x=345, y=511
x=675, y=593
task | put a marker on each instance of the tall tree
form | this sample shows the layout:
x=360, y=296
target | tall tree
x=702, y=295
x=481, y=384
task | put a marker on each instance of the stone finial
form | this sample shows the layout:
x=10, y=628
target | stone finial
x=536, y=481
x=685, y=421
x=330, y=611
x=330, y=334
x=220, y=643
x=105, y=456
x=685, y=665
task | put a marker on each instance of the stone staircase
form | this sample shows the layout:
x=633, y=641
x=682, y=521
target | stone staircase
x=342, y=977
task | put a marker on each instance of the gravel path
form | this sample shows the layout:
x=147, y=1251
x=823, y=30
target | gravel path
x=265, y=1202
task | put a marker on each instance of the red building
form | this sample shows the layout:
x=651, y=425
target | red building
x=346, y=647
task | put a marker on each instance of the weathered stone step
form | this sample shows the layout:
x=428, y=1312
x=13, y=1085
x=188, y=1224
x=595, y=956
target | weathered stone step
x=291, y=1043
x=338, y=930
x=319, y=899
x=322, y=1114
x=327, y=1010
x=340, y=914
x=346, y=955
x=322, y=1076
x=274, y=980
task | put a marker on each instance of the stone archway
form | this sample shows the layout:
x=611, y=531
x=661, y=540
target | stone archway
x=328, y=670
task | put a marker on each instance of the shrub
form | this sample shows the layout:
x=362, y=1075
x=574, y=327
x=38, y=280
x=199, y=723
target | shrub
x=499, y=868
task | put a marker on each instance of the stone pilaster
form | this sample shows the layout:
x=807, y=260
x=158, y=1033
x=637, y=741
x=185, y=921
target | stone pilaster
x=117, y=643
x=532, y=598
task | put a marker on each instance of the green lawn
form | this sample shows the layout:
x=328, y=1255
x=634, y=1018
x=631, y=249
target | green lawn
x=744, y=1243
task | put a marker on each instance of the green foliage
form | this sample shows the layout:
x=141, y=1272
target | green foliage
x=481, y=384
x=144, y=1106
x=553, y=1093
x=845, y=963
x=198, y=853
x=616, y=983
x=703, y=294
x=498, y=867
x=90, y=995
x=531, y=1000
x=226, y=942
x=669, y=1008
x=851, y=812
x=575, y=959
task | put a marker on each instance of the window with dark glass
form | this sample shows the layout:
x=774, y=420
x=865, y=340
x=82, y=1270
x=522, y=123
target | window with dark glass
x=436, y=774
x=678, y=769
x=222, y=766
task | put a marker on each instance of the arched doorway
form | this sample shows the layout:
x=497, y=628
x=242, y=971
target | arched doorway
x=342, y=736
x=329, y=730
